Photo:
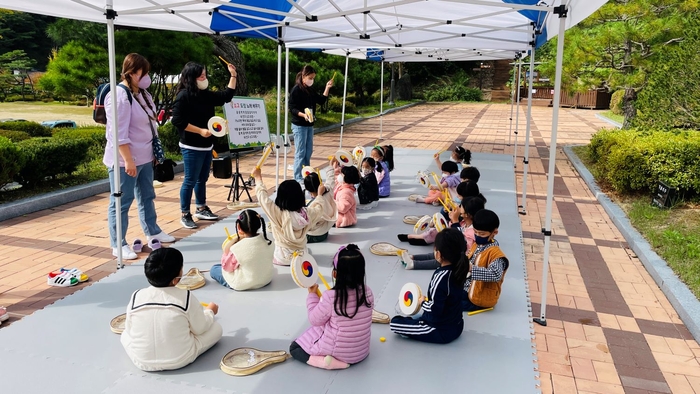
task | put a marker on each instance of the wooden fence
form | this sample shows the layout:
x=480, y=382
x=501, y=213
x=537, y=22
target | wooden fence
x=592, y=99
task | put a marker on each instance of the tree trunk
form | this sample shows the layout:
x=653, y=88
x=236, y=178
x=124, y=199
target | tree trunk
x=226, y=48
x=628, y=106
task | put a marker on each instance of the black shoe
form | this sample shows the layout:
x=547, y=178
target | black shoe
x=205, y=213
x=187, y=222
x=417, y=242
x=403, y=237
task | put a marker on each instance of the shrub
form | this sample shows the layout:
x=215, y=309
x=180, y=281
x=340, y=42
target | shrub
x=335, y=104
x=635, y=160
x=15, y=136
x=616, y=101
x=34, y=129
x=169, y=137
x=94, y=134
x=452, y=93
x=49, y=157
x=11, y=160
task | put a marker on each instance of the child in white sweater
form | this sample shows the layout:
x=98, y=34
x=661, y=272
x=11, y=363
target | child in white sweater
x=318, y=232
x=247, y=264
x=167, y=328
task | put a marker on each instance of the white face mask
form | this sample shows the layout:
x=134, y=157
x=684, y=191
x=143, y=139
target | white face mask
x=309, y=82
x=366, y=171
x=202, y=84
x=340, y=178
x=445, y=174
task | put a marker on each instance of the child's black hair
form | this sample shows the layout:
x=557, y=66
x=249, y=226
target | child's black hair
x=449, y=166
x=387, y=154
x=469, y=189
x=250, y=222
x=311, y=182
x=472, y=205
x=452, y=246
x=351, y=175
x=370, y=161
x=470, y=173
x=162, y=266
x=464, y=155
x=349, y=276
x=486, y=220
x=290, y=197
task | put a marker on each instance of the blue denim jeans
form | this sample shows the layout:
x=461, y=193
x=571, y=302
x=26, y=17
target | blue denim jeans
x=216, y=273
x=141, y=187
x=197, y=166
x=303, y=147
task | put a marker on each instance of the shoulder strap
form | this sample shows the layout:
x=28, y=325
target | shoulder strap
x=128, y=93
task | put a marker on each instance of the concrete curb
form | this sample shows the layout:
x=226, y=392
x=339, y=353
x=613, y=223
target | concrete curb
x=612, y=122
x=56, y=198
x=685, y=303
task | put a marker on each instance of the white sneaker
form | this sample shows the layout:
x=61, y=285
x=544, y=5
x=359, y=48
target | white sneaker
x=405, y=259
x=127, y=253
x=163, y=237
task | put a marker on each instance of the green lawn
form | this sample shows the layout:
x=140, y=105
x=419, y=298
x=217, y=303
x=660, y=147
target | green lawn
x=673, y=233
x=610, y=115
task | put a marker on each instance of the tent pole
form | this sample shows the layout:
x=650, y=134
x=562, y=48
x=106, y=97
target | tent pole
x=117, y=193
x=512, y=102
x=381, y=103
x=527, y=131
x=286, y=111
x=345, y=94
x=547, y=230
x=279, y=104
x=517, y=113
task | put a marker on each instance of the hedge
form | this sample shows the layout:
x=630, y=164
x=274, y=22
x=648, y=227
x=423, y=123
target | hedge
x=11, y=160
x=616, y=102
x=169, y=137
x=34, y=129
x=49, y=157
x=635, y=160
x=15, y=136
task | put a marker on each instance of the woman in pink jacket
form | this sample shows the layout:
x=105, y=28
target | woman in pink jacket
x=340, y=321
x=344, y=195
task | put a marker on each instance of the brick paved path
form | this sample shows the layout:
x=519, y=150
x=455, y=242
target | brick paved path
x=610, y=329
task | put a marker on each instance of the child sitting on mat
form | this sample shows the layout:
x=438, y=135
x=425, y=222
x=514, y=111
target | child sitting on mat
x=368, y=191
x=450, y=180
x=247, y=264
x=290, y=219
x=470, y=174
x=166, y=327
x=441, y=320
x=488, y=264
x=384, y=157
x=340, y=320
x=318, y=232
x=459, y=155
x=467, y=174
x=467, y=209
x=344, y=195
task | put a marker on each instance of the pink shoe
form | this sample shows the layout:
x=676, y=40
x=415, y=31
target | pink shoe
x=327, y=362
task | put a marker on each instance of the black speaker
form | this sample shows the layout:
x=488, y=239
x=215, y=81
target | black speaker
x=221, y=167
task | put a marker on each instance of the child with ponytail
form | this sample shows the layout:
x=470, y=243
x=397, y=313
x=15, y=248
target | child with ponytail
x=384, y=157
x=247, y=264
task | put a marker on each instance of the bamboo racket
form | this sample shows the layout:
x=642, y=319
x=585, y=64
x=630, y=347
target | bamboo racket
x=266, y=153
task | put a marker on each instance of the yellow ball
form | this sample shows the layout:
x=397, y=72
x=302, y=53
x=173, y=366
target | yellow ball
x=382, y=339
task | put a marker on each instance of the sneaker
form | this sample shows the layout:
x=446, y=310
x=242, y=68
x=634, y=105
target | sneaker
x=205, y=213
x=127, y=253
x=3, y=314
x=163, y=237
x=187, y=222
x=64, y=279
x=405, y=259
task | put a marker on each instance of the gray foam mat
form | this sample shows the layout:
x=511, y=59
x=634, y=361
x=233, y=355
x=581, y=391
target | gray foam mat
x=72, y=336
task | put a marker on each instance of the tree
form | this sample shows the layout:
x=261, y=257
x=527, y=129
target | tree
x=20, y=30
x=227, y=48
x=64, y=31
x=76, y=69
x=14, y=69
x=618, y=45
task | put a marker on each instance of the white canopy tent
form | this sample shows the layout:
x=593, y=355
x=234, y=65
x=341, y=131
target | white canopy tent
x=448, y=24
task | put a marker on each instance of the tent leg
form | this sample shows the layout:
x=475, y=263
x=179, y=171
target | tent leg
x=279, y=104
x=117, y=193
x=286, y=111
x=517, y=114
x=381, y=104
x=512, y=102
x=547, y=230
x=345, y=94
x=526, y=157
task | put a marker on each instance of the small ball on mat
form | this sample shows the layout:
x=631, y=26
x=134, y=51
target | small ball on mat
x=382, y=339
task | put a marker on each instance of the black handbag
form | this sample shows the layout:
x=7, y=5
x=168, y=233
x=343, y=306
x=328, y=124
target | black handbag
x=164, y=172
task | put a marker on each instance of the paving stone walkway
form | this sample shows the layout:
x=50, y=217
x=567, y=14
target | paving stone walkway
x=610, y=328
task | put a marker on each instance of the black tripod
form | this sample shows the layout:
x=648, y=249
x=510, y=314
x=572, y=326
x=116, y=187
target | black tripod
x=238, y=184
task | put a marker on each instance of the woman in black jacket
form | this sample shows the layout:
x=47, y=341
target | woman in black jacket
x=301, y=98
x=193, y=107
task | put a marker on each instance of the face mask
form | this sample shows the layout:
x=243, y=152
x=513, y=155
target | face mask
x=309, y=82
x=145, y=82
x=445, y=174
x=366, y=171
x=340, y=178
x=201, y=85
x=481, y=240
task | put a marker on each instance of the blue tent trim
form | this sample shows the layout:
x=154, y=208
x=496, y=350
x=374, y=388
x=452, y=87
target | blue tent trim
x=221, y=22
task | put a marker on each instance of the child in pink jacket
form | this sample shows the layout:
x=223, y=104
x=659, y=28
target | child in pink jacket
x=340, y=320
x=344, y=195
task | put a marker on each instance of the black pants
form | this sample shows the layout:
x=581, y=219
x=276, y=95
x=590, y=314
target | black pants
x=298, y=353
x=316, y=238
x=420, y=331
x=468, y=305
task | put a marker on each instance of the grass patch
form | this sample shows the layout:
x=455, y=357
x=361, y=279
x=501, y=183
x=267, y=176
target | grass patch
x=610, y=115
x=673, y=233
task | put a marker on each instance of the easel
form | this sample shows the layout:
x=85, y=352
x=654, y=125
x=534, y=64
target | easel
x=238, y=184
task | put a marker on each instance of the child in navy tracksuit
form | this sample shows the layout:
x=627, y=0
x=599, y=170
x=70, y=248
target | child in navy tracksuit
x=441, y=321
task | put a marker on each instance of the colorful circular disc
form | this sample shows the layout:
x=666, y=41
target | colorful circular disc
x=304, y=270
x=423, y=224
x=344, y=158
x=408, y=299
x=440, y=221
x=218, y=126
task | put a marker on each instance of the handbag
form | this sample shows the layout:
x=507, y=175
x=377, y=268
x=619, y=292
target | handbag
x=158, y=152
